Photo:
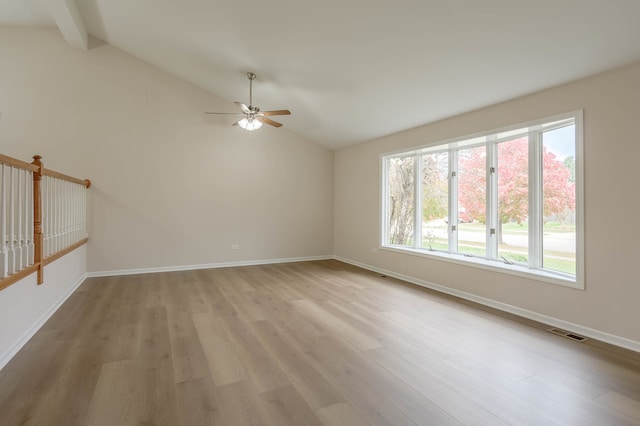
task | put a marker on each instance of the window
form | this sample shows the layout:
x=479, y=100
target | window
x=507, y=200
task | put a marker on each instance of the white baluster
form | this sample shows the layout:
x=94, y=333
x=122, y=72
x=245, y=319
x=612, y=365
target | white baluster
x=12, y=224
x=70, y=211
x=52, y=212
x=22, y=208
x=46, y=216
x=25, y=220
x=76, y=204
x=76, y=212
x=60, y=215
x=31, y=245
x=80, y=189
x=4, y=261
x=44, y=190
x=19, y=222
x=63, y=214
x=56, y=214
x=79, y=207
x=50, y=228
x=72, y=229
x=83, y=211
x=67, y=215
x=52, y=203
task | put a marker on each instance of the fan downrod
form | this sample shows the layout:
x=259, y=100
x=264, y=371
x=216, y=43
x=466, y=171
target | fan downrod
x=251, y=76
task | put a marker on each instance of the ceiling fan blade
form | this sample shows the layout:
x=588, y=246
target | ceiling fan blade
x=275, y=112
x=225, y=113
x=270, y=122
x=237, y=123
x=243, y=107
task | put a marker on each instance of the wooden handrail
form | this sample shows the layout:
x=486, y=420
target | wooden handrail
x=58, y=175
x=11, y=279
x=58, y=255
x=17, y=163
x=39, y=261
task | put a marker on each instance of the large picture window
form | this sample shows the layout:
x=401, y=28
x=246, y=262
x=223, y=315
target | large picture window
x=507, y=200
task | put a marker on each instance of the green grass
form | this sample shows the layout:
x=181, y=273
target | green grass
x=436, y=245
x=555, y=261
x=557, y=227
x=559, y=264
x=514, y=257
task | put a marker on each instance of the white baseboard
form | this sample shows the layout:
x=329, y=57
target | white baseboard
x=545, y=319
x=205, y=266
x=15, y=348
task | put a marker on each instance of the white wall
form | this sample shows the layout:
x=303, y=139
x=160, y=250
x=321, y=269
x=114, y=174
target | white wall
x=609, y=304
x=25, y=306
x=171, y=186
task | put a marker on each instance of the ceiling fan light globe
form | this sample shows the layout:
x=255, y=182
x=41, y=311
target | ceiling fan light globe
x=256, y=124
x=249, y=124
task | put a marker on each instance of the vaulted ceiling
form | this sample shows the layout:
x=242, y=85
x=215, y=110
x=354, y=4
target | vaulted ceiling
x=353, y=70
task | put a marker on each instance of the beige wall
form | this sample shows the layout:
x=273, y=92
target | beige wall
x=609, y=304
x=171, y=186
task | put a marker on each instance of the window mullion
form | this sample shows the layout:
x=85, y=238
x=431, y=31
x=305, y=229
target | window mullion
x=453, y=201
x=492, y=198
x=535, y=199
x=417, y=228
x=385, y=205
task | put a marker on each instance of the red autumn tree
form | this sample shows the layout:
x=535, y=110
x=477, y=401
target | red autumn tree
x=559, y=190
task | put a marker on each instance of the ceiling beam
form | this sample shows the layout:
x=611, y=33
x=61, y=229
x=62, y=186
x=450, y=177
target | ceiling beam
x=70, y=23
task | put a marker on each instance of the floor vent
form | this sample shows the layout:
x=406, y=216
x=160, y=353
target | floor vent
x=567, y=334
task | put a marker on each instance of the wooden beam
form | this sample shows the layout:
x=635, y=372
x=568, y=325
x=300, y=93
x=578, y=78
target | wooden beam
x=70, y=23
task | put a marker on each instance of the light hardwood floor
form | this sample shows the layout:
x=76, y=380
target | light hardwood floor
x=304, y=344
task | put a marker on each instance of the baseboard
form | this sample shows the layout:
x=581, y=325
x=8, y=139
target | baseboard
x=545, y=319
x=15, y=348
x=205, y=266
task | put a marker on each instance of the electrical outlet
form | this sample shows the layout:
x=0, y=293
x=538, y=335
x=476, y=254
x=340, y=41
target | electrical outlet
x=235, y=247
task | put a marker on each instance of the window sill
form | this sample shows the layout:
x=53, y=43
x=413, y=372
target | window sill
x=490, y=265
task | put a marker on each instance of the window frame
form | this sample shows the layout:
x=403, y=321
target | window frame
x=489, y=139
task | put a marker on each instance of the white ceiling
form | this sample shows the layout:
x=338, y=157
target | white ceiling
x=353, y=70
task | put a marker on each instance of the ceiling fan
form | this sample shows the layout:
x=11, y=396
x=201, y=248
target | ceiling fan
x=253, y=117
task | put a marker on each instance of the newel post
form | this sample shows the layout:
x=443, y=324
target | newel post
x=37, y=217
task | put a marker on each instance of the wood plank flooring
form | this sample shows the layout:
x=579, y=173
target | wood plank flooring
x=310, y=343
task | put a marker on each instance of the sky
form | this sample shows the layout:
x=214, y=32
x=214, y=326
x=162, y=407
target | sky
x=561, y=142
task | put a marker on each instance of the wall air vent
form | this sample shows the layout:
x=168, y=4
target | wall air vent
x=567, y=334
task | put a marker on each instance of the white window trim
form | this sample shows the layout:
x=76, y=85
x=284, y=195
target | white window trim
x=548, y=276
